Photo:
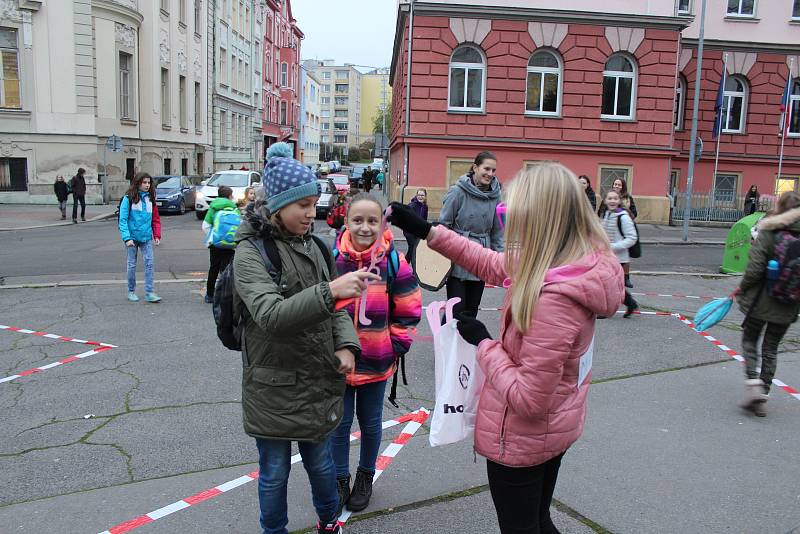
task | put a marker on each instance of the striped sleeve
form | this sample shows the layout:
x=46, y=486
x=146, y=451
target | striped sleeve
x=406, y=307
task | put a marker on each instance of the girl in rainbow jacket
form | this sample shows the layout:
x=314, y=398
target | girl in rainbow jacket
x=384, y=319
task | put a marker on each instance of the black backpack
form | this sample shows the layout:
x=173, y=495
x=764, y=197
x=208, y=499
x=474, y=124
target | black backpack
x=636, y=249
x=230, y=325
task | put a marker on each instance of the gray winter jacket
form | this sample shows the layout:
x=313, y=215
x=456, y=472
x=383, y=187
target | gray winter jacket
x=472, y=213
x=621, y=242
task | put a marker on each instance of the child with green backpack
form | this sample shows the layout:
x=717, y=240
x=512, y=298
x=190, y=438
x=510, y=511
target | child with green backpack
x=220, y=226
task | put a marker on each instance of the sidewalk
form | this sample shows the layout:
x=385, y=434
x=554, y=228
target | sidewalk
x=30, y=216
x=657, y=234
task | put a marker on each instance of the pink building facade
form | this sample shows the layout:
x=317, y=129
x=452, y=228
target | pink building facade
x=606, y=94
x=282, y=91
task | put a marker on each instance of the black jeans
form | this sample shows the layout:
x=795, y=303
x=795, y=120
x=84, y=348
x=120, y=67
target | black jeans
x=522, y=496
x=751, y=331
x=75, y=200
x=219, y=259
x=469, y=291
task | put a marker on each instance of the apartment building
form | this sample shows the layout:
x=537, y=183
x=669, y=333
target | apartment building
x=237, y=91
x=309, y=117
x=340, y=103
x=607, y=93
x=376, y=95
x=77, y=72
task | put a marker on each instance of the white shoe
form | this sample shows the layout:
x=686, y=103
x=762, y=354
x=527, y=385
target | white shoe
x=755, y=397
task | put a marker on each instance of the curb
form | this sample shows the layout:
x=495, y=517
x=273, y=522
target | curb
x=80, y=283
x=707, y=242
x=65, y=223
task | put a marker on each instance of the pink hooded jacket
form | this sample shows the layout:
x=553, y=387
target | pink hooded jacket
x=531, y=407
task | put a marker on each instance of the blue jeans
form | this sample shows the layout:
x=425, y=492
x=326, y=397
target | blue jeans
x=274, y=463
x=368, y=401
x=149, y=266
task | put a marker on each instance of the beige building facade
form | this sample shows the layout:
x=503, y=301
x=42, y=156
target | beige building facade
x=340, y=102
x=87, y=70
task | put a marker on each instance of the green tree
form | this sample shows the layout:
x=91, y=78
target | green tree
x=377, y=122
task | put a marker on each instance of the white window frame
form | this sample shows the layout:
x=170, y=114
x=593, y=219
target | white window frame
x=284, y=74
x=198, y=106
x=542, y=71
x=737, y=181
x=198, y=19
x=739, y=13
x=628, y=177
x=794, y=108
x=617, y=75
x=467, y=67
x=14, y=51
x=283, y=114
x=727, y=98
x=687, y=11
x=126, y=110
x=680, y=97
x=183, y=115
x=165, y=107
x=223, y=66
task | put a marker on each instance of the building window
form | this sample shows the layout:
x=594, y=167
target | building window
x=680, y=103
x=342, y=75
x=223, y=128
x=340, y=126
x=182, y=11
x=734, y=105
x=234, y=130
x=325, y=100
x=165, y=6
x=467, y=76
x=223, y=66
x=164, y=97
x=684, y=7
x=326, y=75
x=341, y=100
x=326, y=88
x=167, y=166
x=198, y=110
x=240, y=75
x=13, y=174
x=340, y=139
x=234, y=16
x=544, y=84
x=796, y=9
x=794, y=109
x=125, y=100
x=184, y=166
x=284, y=75
x=674, y=177
x=9, y=71
x=784, y=184
x=725, y=187
x=183, y=115
x=457, y=168
x=283, y=112
x=741, y=8
x=609, y=174
x=198, y=16
x=619, y=88
x=340, y=113
x=326, y=126
x=342, y=87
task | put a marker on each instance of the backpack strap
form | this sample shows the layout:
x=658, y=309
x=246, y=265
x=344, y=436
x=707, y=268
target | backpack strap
x=269, y=254
x=326, y=254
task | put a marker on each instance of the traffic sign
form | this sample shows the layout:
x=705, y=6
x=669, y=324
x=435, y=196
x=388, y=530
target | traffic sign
x=114, y=143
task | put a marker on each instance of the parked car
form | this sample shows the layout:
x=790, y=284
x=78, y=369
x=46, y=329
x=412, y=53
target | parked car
x=236, y=180
x=327, y=197
x=341, y=182
x=174, y=194
x=357, y=174
x=324, y=168
x=334, y=166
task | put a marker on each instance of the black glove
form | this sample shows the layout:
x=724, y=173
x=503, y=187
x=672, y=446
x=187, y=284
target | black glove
x=472, y=330
x=407, y=220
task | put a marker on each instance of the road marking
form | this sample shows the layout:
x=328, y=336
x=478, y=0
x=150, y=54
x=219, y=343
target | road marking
x=733, y=354
x=414, y=420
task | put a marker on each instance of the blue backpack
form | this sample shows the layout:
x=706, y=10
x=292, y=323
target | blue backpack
x=223, y=231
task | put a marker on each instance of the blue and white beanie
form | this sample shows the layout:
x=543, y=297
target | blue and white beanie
x=286, y=180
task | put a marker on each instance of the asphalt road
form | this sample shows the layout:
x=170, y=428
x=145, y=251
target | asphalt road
x=94, y=250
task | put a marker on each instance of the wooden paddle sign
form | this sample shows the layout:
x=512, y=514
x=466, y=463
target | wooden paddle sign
x=430, y=267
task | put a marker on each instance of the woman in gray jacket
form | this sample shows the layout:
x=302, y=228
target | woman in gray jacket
x=621, y=232
x=470, y=209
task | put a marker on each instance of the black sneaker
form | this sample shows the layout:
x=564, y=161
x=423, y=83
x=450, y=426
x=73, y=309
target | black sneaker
x=329, y=528
x=362, y=491
x=628, y=282
x=630, y=310
x=343, y=484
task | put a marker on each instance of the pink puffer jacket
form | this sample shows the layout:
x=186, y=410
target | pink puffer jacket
x=531, y=407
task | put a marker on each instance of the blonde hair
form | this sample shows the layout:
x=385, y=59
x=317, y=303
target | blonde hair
x=549, y=223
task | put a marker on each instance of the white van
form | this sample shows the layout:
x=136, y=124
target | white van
x=236, y=180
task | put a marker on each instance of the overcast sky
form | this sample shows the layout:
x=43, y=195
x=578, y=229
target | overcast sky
x=347, y=31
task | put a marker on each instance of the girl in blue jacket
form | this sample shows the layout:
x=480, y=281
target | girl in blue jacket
x=140, y=227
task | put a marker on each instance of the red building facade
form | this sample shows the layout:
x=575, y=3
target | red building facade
x=607, y=96
x=282, y=91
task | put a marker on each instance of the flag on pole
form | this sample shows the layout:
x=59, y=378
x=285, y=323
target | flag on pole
x=718, y=118
x=786, y=112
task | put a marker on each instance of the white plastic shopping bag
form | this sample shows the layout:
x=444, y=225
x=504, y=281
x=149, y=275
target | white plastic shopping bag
x=459, y=379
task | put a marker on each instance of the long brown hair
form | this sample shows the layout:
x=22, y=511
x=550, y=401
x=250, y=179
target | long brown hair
x=133, y=190
x=788, y=201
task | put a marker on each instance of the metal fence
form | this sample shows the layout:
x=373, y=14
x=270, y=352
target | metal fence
x=719, y=206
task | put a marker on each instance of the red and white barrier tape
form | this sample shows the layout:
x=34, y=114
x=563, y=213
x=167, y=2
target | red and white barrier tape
x=186, y=502
x=69, y=359
x=733, y=354
x=694, y=297
x=55, y=336
x=391, y=450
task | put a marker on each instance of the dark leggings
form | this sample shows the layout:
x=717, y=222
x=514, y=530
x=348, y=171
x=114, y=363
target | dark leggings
x=773, y=334
x=219, y=258
x=469, y=291
x=522, y=496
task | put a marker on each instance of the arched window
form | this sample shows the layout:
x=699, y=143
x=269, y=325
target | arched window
x=734, y=104
x=619, y=88
x=680, y=103
x=544, y=84
x=467, y=79
x=794, y=109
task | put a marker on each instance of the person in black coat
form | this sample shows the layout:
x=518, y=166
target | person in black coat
x=78, y=186
x=61, y=190
x=587, y=188
x=751, y=200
